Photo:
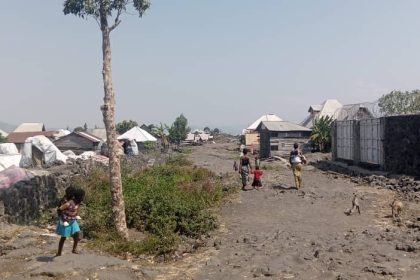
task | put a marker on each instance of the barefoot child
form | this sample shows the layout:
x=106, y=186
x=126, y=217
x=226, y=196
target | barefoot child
x=257, y=178
x=69, y=209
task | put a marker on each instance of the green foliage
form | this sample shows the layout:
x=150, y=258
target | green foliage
x=321, y=132
x=79, y=129
x=179, y=130
x=216, y=131
x=207, y=129
x=149, y=145
x=164, y=202
x=400, y=103
x=2, y=139
x=85, y=8
x=125, y=126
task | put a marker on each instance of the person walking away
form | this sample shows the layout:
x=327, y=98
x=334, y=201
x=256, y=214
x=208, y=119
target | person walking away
x=257, y=178
x=296, y=160
x=244, y=168
x=70, y=209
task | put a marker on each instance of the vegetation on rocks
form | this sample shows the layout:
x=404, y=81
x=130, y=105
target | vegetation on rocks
x=164, y=202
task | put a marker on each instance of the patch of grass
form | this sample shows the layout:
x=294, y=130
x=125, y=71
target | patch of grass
x=186, y=151
x=165, y=202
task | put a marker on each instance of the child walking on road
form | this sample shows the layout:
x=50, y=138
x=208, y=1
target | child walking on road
x=257, y=178
x=70, y=226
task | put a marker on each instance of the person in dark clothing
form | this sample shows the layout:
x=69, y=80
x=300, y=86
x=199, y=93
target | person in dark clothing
x=244, y=168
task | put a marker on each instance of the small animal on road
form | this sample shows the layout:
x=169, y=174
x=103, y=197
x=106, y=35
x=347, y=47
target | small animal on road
x=354, y=205
x=396, y=206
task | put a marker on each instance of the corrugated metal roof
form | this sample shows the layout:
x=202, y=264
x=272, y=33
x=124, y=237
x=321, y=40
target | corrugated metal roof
x=284, y=126
x=30, y=127
x=99, y=132
x=3, y=133
x=88, y=136
x=20, y=137
x=315, y=108
x=269, y=117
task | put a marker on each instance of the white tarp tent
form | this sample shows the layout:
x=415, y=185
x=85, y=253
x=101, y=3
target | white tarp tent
x=137, y=134
x=8, y=149
x=9, y=156
x=50, y=153
x=7, y=161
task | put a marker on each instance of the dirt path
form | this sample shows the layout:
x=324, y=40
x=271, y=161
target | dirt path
x=281, y=233
x=274, y=233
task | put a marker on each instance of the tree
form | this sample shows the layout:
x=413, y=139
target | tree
x=125, y=126
x=78, y=129
x=102, y=11
x=179, y=130
x=207, y=129
x=400, y=103
x=2, y=138
x=216, y=131
x=321, y=132
x=85, y=127
x=160, y=132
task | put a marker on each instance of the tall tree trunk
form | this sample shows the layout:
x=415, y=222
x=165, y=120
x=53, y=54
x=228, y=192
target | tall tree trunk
x=108, y=112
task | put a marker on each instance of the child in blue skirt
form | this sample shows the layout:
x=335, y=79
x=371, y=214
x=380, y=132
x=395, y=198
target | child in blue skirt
x=67, y=225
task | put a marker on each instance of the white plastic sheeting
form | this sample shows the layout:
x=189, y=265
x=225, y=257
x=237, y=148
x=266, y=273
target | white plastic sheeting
x=9, y=156
x=51, y=154
x=7, y=161
x=138, y=134
x=134, y=147
x=8, y=149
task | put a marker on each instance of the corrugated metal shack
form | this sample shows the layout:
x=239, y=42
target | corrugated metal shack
x=78, y=142
x=277, y=137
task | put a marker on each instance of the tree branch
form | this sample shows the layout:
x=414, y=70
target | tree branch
x=117, y=20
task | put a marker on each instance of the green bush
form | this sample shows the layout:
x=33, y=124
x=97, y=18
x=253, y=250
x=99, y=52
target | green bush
x=164, y=202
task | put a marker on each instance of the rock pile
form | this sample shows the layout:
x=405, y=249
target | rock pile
x=408, y=187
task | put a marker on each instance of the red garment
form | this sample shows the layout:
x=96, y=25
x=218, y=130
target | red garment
x=258, y=174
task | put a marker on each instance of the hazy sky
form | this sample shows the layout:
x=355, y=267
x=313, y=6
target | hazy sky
x=220, y=62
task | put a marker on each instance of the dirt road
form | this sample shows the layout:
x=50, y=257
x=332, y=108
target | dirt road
x=282, y=233
x=274, y=233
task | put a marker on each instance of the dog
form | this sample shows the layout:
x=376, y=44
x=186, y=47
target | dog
x=396, y=207
x=354, y=205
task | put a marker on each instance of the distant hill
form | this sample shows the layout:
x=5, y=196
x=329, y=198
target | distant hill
x=7, y=127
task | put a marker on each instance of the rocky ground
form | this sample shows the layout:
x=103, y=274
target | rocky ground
x=273, y=233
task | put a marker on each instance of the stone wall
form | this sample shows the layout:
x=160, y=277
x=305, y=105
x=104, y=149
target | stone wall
x=402, y=144
x=26, y=200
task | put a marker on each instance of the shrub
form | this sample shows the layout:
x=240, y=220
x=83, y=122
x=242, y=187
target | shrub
x=164, y=202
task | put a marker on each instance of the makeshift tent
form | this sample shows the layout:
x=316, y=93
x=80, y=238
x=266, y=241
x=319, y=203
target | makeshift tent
x=8, y=149
x=137, y=134
x=40, y=148
x=9, y=156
